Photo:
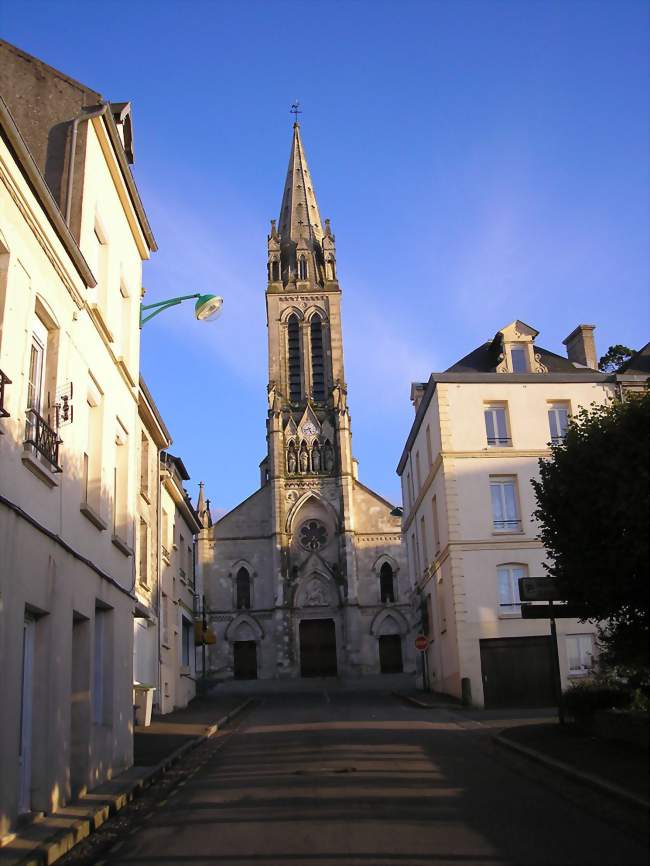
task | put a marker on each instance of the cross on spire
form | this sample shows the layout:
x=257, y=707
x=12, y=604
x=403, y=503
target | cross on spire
x=295, y=110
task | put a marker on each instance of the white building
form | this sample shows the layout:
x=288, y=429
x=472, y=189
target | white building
x=73, y=235
x=466, y=469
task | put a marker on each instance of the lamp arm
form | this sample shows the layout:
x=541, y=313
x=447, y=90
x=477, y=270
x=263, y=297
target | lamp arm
x=160, y=306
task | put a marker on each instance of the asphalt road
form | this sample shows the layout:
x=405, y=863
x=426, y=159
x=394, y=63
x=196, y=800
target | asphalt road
x=363, y=779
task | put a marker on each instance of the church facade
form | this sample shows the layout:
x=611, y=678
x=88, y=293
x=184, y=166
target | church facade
x=306, y=577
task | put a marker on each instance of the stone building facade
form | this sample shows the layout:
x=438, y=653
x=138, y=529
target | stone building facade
x=306, y=577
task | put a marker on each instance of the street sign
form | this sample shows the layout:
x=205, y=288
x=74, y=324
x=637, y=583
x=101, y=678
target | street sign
x=546, y=611
x=540, y=589
x=421, y=642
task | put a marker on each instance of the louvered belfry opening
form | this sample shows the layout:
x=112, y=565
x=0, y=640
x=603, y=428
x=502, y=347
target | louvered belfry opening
x=317, y=371
x=293, y=333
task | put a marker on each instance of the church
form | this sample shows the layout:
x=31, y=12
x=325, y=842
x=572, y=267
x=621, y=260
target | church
x=306, y=577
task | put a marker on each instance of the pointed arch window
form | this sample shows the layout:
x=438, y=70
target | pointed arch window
x=243, y=587
x=386, y=583
x=302, y=268
x=317, y=369
x=275, y=271
x=293, y=338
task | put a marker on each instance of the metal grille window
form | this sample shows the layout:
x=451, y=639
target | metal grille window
x=508, y=576
x=505, y=510
x=558, y=419
x=317, y=369
x=496, y=426
x=293, y=337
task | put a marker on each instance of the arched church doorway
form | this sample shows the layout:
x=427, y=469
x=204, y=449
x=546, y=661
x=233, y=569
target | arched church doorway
x=390, y=654
x=245, y=659
x=318, y=648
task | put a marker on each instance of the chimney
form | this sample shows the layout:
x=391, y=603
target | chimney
x=581, y=347
x=417, y=393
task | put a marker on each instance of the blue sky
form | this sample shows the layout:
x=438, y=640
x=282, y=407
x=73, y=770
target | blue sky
x=480, y=162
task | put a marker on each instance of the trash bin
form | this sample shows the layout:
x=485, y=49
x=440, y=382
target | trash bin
x=143, y=703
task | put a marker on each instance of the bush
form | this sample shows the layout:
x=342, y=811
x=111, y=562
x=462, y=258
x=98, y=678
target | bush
x=584, y=699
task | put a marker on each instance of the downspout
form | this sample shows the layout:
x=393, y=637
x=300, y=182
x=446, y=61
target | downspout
x=73, y=147
x=159, y=574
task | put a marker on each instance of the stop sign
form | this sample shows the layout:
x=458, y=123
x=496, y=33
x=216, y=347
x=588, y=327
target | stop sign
x=421, y=643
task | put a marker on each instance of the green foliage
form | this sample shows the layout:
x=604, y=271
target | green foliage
x=593, y=511
x=584, y=699
x=614, y=357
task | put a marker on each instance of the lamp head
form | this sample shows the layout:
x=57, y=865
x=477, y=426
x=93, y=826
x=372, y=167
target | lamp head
x=208, y=307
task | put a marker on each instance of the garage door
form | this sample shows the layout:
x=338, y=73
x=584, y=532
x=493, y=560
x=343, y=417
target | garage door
x=518, y=672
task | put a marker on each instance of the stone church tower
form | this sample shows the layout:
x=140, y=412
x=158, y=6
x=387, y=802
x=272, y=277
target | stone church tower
x=306, y=577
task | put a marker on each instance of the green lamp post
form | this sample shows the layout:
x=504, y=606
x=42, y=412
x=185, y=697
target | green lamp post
x=206, y=309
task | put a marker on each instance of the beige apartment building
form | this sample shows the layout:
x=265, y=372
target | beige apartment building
x=479, y=430
x=180, y=592
x=73, y=236
x=154, y=438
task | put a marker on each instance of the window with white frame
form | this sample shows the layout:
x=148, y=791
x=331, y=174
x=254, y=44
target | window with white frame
x=425, y=551
x=186, y=641
x=429, y=448
x=36, y=376
x=505, y=508
x=508, y=578
x=580, y=653
x=496, y=425
x=519, y=357
x=436, y=525
x=558, y=420
x=143, y=542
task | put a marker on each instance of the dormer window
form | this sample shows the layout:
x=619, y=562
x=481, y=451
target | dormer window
x=519, y=359
x=302, y=268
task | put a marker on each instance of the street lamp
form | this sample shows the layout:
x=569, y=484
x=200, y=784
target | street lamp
x=206, y=309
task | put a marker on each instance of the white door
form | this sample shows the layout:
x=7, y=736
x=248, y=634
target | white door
x=26, y=701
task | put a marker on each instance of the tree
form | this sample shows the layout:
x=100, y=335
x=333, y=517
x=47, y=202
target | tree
x=614, y=357
x=593, y=510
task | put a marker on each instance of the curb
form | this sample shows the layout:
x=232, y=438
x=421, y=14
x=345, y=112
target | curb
x=576, y=775
x=418, y=703
x=63, y=841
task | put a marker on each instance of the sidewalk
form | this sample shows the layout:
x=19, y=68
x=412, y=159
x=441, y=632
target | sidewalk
x=617, y=769
x=156, y=748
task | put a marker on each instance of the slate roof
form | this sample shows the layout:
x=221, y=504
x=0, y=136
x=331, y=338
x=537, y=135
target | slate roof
x=639, y=363
x=485, y=358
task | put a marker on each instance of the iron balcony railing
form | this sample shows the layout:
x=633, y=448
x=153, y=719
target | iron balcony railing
x=4, y=380
x=43, y=438
x=496, y=441
x=512, y=525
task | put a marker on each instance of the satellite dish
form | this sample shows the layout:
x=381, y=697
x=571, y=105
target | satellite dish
x=208, y=307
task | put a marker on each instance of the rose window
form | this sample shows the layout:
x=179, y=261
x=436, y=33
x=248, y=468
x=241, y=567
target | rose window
x=313, y=535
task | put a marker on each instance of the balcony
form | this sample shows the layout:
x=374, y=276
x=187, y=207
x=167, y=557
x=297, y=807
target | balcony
x=43, y=439
x=507, y=525
x=4, y=380
x=499, y=442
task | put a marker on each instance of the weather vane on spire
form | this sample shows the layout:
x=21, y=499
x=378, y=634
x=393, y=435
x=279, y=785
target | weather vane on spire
x=295, y=110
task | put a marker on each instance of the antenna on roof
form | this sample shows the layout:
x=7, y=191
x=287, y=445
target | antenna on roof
x=295, y=110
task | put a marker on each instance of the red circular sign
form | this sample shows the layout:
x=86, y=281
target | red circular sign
x=421, y=643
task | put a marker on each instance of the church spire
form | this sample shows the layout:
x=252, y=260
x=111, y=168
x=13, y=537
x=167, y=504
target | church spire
x=299, y=214
x=296, y=247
